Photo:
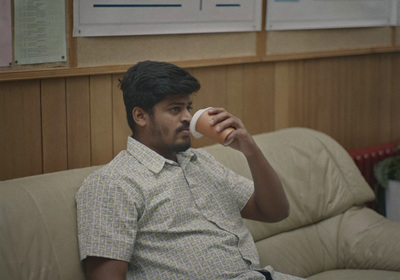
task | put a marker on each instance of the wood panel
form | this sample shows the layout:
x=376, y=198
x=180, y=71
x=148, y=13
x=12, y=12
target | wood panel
x=259, y=97
x=78, y=122
x=235, y=89
x=54, y=125
x=289, y=94
x=120, y=124
x=20, y=129
x=395, y=97
x=348, y=97
x=101, y=119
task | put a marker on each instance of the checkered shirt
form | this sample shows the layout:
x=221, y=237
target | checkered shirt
x=168, y=220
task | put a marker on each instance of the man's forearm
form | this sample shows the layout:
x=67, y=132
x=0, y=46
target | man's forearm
x=269, y=196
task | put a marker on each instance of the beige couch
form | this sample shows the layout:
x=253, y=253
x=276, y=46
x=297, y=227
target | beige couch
x=328, y=235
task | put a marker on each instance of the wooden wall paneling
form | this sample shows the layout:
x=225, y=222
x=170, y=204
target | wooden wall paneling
x=4, y=158
x=54, y=128
x=120, y=125
x=371, y=90
x=354, y=95
x=397, y=34
x=346, y=101
x=331, y=104
x=259, y=102
x=235, y=90
x=364, y=90
x=363, y=123
x=334, y=101
x=381, y=92
x=318, y=95
x=289, y=94
x=395, y=97
x=78, y=122
x=101, y=119
x=20, y=129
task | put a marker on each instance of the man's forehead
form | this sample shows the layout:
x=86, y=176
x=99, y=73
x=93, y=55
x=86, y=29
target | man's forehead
x=178, y=98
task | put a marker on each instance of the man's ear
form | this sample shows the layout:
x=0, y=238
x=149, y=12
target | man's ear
x=140, y=116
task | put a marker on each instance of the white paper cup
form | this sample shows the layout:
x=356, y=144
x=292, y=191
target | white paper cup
x=200, y=126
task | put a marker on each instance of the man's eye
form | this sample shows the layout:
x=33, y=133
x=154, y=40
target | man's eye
x=175, y=109
x=190, y=108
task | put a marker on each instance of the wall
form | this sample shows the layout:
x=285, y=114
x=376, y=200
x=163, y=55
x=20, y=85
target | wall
x=62, y=123
x=343, y=82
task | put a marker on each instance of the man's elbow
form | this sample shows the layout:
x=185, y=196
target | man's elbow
x=284, y=213
x=277, y=215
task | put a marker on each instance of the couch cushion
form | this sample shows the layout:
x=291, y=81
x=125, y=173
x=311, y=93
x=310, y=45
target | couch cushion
x=356, y=274
x=368, y=240
x=38, y=213
x=319, y=177
x=302, y=252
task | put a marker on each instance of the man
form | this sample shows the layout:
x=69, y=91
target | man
x=161, y=210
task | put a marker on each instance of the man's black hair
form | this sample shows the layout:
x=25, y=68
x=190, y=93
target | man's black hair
x=149, y=82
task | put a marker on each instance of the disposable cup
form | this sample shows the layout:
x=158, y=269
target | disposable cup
x=200, y=126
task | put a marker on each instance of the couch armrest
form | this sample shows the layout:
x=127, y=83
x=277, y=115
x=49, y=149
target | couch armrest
x=368, y=240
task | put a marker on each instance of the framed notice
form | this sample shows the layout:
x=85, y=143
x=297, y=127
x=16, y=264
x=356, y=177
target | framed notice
x=135, y=17
x=39, y=31
x=318, y=14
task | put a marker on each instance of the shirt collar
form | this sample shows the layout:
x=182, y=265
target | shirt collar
x=152, y=160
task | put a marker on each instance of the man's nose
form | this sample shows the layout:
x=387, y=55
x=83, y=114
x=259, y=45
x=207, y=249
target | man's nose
x=187, y=116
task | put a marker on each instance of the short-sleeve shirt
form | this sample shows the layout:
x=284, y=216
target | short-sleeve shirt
x=167, y=219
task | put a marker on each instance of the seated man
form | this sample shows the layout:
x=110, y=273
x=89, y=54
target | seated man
x=161, y=210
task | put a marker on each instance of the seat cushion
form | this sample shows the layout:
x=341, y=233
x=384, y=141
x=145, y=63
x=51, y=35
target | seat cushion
x=356, y=274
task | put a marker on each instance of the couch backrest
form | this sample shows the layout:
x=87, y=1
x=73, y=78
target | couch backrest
x=322, y=184
x=38, y=233
x=319, y=177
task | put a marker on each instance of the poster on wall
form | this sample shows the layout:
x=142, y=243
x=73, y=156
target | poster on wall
x=139, y=17
x=323, y=14
x=39, y=31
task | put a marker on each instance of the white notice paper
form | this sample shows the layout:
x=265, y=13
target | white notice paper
x=39, y=28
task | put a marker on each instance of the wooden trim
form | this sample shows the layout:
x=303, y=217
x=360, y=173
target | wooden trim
x=261, y=44
x=116, y=69
x=72, y=51
x=327, y=54
x=112, y=69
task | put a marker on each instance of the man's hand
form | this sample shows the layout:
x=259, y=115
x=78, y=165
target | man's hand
x=268, y=202
x=240, y=137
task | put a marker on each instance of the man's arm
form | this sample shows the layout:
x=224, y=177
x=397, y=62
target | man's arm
x=97, y=268
x=268, y=202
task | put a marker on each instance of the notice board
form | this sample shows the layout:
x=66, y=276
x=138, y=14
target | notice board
x=135, y=17
x=324, y=14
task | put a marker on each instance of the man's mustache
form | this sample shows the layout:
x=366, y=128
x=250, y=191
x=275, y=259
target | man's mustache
x=183, y=127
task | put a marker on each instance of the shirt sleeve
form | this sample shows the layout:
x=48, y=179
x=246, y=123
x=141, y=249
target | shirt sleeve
x=107, y=218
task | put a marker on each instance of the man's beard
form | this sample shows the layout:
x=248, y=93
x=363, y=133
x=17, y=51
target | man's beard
x=176, y=147
x=183, y=146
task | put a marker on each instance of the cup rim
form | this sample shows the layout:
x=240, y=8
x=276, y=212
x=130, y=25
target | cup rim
x=193, y=122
